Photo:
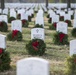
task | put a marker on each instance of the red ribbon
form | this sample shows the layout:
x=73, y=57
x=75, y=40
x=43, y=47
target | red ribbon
x=54, y=25
x=75, y=60
x=1, y=51
x=1, y=24
x=35, y=45
x=61, y=36
x=14, y=33
x=23, y=21
x=66, y=21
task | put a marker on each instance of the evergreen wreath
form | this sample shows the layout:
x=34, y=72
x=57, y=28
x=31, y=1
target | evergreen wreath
x=73, y=32
x=15, y=35
x=4, y=60
x=60, y=38
x=53, y=26
x=68, y=22
x=48, y=16
x=61, y=18
x=29, y=18
x=38, y=26
x=71, y=65
x=49, y=20
x=3, y=26
x=72, y=16
x=25, y=23
x=36, y=47
x=18, y=16
x=11, y=19
x=32, y=15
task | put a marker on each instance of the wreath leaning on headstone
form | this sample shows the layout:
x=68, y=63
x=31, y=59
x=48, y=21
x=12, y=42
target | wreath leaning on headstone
x=71, y=65
x=68, y=23
x=3, y=26
x=38, y=26
x=73, y=32
x=36, y=47
x=60, y=38
x=4, y=60
x=25, y=23
x=11, y=19
x=15, y=35
x=53, y=26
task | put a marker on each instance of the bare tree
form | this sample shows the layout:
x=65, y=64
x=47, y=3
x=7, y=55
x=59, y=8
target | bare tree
x=2, y=4
x=68, y=4
x=46, y=3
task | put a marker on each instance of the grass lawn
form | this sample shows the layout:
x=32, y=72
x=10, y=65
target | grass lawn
x=55, y=54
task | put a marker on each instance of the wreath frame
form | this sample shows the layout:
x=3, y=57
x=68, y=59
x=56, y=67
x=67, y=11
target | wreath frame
x=18, y=37
x=57, y=38
x=41, y=48
x=3, y=26
x=4, y=60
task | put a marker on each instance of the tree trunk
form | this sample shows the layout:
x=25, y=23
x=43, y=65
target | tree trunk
x=2, y=4
x=46, y=3
x=68, y=4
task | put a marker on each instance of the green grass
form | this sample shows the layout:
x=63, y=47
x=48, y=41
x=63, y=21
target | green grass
x=55, y=54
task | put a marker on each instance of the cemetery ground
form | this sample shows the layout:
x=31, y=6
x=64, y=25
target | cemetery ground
x=55, y=54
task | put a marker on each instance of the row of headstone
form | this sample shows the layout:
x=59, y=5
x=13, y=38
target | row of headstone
x=55, y=17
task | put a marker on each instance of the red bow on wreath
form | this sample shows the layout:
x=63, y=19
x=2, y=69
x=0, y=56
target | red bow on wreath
x=1, y=24
x=54, y=25
x=1, y=50
x=14, y=33
x=61, y=36
x=35, y=45
x=66, y=21
x=23, y=21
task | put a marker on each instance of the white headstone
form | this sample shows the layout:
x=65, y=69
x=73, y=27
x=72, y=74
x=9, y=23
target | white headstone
x=33, y=66
x=55, y=18
x=39, y=20
x=24, y=16
x=67, y=17
x=17, y=25
x=12, y=14
x=0, y=10
x=2, y=41
x=3, y=18
x=72, y=47
x=37, y=33
x=62, y=27
x=5, y=11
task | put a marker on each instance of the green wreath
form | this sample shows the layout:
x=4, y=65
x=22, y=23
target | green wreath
x=38, y=26
x=3, y=26
x=4, y=60
x=11, y=19
x=25, y=23
x=60, y=38
x=61, y=18
x=49, y=20
x=53, y=26
x=29, y=18
x=18, y=16
x=68, y=22
x=15, y=35
x=73, y=32
x=71, y=65
x=36, y=47
x=72, y=16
